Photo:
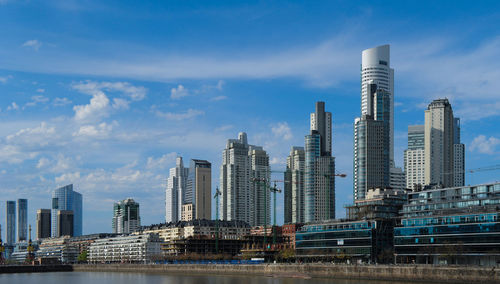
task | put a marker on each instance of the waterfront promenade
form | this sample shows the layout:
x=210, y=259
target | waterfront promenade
x=420, y=273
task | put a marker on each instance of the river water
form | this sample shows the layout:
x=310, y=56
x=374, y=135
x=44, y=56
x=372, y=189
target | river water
x=152, y=278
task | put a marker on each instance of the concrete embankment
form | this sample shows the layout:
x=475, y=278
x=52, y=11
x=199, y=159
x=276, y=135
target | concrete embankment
x=36, y=268
x=378, y=272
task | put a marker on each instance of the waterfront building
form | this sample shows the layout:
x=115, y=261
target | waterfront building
x=126, y=216
x=319, y=176
x=380, y=203
x=10, y=215
x=140, y=248
x=65, y=223
x=456, y=225
x=244, y=182
x=199, y=189
x=20, y=251
x=294, y=186
x=439, y=138
x=414, y=159
x=175, y=194
x=43, y=223
x=65, y=198
x=371, y=163
x=289, y=231
x=60, y=248
x=368, y=241
x=187, y=212
x=22, y=220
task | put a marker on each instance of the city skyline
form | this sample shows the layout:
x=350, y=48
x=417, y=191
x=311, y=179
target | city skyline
x=114, y=129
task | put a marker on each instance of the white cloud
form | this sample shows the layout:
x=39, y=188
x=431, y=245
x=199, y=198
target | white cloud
x=42, y=163
x=13, y=106
x=4, y=79
x=102, y=130
x=13, y=154
x=224, y=127
x=120, y=103
x=190, y=113
x=96, y=109
x=162, y=162
x=61, y=101
x=218, y=98
x=91, y=88
x=34, y=44
x=484, y=145
x=40, y=90
x=179, y=92
x=40, y=136
x=282, y=130
x=36, y=100
x=67, y=178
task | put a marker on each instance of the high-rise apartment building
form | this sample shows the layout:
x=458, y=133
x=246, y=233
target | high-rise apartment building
x=65, y=198
x=458, y=156
x=371, y=162
x=65, y=223
x=43, y=220
x=199, y=189
x=319, y=175
x=376, y=68
x=294, y=186
x=439, y=141
x=414, y=160
x=176, y=194
x=22, y=220
x=244, y=182
x=126, y=217
x=10, y=221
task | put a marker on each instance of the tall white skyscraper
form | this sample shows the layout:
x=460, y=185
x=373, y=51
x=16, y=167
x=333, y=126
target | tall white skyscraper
x=439, y=141
x=175, y=194
x=294, y=186
x=376, y=68
x=244, y=181
x=319, y=176
x=414, y=158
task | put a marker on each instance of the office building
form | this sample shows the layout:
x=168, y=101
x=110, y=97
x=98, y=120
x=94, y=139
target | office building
x=397, y=178
x=175, y=194
x=22, y=220
x=294, y=186
x=319, y=176
x=458, y=155
x=199, y=189
x=371, y=163
x=65, y=223
x=126, y=217
x=438, y=144
x=10, y=222
x=456, y=225
x=43, y=225
x=65, y=198
x=414, y=159
x=376, y=69
x=244, y=182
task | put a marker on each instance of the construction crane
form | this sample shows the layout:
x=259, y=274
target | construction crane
x=2, y=249
x=31, y=251
x=216, y=196
x=482, y=169
x=274, y=190
x=263, y=181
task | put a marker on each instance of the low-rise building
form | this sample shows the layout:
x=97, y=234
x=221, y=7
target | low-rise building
x=138, y=248
x=61, y=248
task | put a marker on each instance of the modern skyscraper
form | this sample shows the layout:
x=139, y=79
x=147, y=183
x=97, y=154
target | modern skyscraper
x=43, y=223
x=319, y=176
x=376, y=68
x=126, y=216
x=199, y=189
x=458, y=156
x=176, y=194
x=371, y=163
x=414, y=159
x=22, y=220
x=65, y=223
x=244, y=182
x=294, y=186
x=439, y=141
x=11, y=222
x=65, y=198
x=397, y=178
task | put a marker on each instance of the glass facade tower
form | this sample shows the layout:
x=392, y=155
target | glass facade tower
x=11, y=222
x=64, y=198
x=22, y=220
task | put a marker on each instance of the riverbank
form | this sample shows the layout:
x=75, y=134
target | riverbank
x=35, y=268
x=459, y=274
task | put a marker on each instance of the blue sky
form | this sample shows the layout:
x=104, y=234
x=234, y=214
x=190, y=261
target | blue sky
x=106, y=95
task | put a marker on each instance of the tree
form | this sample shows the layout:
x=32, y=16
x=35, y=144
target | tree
x=82, y=257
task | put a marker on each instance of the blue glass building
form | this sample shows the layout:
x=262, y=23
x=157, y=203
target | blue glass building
x=64, y=198
x=22, y=220
x=457, y=225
